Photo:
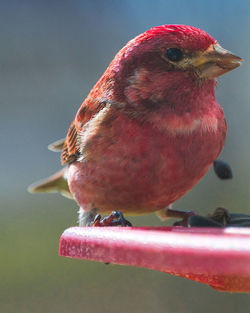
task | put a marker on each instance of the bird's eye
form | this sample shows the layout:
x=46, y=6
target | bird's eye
x=174, y=54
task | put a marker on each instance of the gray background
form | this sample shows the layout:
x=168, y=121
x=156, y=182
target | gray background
x=51, y=54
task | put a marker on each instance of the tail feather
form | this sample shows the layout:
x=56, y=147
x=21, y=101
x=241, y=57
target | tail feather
x=54, y=183
x=57, y=146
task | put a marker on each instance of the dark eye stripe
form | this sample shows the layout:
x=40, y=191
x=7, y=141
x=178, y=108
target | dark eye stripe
x=174, y=54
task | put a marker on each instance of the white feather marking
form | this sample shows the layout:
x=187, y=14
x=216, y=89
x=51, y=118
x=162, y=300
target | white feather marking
x=91, y=128
x=185, y=125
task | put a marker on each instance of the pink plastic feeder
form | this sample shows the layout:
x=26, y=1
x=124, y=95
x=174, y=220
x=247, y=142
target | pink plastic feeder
x=219, y=257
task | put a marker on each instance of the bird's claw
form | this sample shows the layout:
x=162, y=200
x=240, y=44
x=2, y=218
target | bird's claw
x=116, y=218
x=220, y=215
x=220, y=218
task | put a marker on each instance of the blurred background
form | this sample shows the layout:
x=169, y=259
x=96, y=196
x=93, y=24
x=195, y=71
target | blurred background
x=52, y=53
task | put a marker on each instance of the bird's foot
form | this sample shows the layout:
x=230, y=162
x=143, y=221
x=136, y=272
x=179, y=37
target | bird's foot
x=116, y=218
x=220, y=215
x=220, y=218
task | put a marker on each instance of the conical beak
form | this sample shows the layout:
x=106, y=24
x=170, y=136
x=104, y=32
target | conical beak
x=216, y=61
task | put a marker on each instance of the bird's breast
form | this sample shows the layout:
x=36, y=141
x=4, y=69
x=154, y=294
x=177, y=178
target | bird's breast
x=138, y=167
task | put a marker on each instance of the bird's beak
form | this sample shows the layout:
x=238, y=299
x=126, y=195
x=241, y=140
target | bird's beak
x=215, y=61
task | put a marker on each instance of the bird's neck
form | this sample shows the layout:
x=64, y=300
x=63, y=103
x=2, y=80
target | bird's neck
x=176, y=92
x=177, y=102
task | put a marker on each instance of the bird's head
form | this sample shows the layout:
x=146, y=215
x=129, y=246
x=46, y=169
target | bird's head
x=165, y=58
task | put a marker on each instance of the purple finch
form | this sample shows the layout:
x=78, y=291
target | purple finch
x=150, y=128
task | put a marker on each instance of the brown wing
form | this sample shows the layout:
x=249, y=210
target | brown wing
x=88, y=109
x=70, y=147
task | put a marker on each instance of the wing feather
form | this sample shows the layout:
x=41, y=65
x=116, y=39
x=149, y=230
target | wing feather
x=88, y=109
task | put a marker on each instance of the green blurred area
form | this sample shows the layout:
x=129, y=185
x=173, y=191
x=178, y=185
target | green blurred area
x=52, y=52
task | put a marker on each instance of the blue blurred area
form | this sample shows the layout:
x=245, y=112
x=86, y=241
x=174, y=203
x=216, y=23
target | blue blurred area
x=52, y=53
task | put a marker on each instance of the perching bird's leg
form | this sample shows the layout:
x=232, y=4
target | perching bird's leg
x=86, y=218
x=116, y=218
x=170, y=212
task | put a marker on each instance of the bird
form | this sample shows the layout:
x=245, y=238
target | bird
x=149, y=129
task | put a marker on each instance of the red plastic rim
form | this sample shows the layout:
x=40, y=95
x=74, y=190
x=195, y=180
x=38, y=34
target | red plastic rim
x=215, y=256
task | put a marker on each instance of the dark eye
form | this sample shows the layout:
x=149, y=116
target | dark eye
x=174, y=54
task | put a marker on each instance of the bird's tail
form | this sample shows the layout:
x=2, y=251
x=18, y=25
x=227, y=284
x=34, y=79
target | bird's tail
x=54, y=183
x=57, y=146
